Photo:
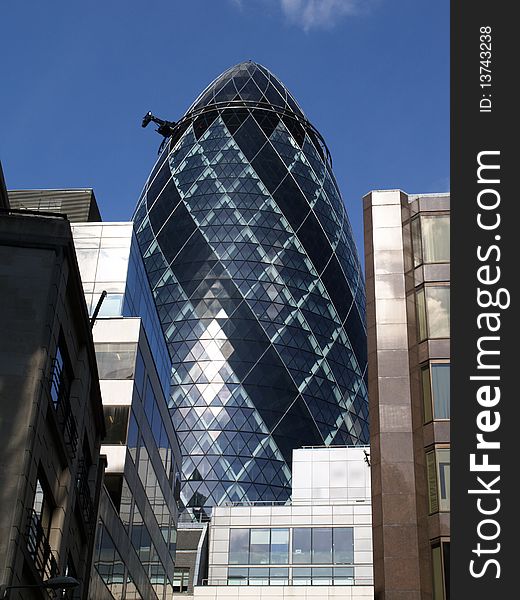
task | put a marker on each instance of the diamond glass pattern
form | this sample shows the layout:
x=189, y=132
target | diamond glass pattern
x=256, y=277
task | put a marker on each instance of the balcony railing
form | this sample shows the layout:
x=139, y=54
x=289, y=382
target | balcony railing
x=39, y=547
x=68, y=424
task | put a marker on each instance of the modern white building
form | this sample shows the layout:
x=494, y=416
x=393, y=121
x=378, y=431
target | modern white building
x=319, y=545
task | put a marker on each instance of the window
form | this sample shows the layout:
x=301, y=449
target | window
x=322, y=545
x=279, y=546
x=438, y=471
x=433, y=312
x=116, y=423
x=61, y=375
x=259, y=546
x=441, y=570
x=116, y=361
x=181, y=579
x=435, y=379
x=431, y=239
x=237, y=576
x=239, y=546
x=343, y=545
x=302, y=545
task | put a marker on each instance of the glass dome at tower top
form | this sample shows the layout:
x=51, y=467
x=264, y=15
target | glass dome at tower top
x=247, y=82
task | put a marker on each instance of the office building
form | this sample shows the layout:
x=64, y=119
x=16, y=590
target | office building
x=257, y=281
x=407, y=259
x=78, y=205
x=317, y=546
x=137, y=532
x=51, y=417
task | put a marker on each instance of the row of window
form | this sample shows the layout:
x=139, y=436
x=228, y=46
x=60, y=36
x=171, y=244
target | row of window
x=294, y=576
x=299, y=545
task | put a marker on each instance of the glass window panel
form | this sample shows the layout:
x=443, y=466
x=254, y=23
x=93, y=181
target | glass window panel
x=302, y=545
x=302, y=576
x=436, y=238
x=259, y=546
x=344, y=576
x=115, y=361
x=238, y=546
x=438, y=309
x=111, y=305
x=438, y=591
x=433, y=498
x=343, y=545
x=427, y=394
x=116, y=422
x=87, y=262
x=322, y=545
x=441, y=390
x=443, y=472
x=322, y=576
x=237, y=576
x=279, y=576
x=416, y=241
x=112, y=264
x=421, y=315
x=258, y=576
x=279, y=546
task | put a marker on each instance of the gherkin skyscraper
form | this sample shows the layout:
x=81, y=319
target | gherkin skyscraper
x=258, y=284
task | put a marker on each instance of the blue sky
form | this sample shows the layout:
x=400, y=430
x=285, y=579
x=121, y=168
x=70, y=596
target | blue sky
x=77, y=77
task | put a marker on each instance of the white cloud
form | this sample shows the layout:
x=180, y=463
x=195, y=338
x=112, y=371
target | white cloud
x=311, y=14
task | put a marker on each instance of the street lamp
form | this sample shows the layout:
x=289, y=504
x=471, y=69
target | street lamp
x=54, y=583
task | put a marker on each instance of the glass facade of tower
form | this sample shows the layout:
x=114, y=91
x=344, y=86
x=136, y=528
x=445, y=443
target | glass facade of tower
x=259, y=289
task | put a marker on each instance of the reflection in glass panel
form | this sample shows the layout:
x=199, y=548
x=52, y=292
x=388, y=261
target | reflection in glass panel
x=322, y=545
x=343, y=545
x=301, y=545
x=116, y=422
x=322, y=576
x=420, y=304
x=279, y=546
x=237, y=576
x=112, y=264
x=238, y=546
x=416, y=241
x=441, y=390
x=438, y=309
x=302, y=576
x=111, y=305
x=436, y=238
x=115, y=361
x=259, y=546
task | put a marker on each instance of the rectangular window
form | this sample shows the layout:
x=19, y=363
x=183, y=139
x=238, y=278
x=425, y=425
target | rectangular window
x=416, y=242
x=433, y=312
x=322, y=545
x=116, y=361
x=258, y=576
x=427, y=393
x=259, y=547
x=279, y=546
x=116, y=424
x=344, y=576
x=279, y=576
x=438, y=472
x=435, y=379
x=322, y=576
x=237, y=576
x=441, y=570
x=61, y=375
x=302, y=545
x=180, y=579
x=239, y=546
x=343, y=538
x=435, y=238
x=302, y=576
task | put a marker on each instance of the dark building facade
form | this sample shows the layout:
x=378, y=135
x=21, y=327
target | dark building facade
x=79, y=205
x=407, y=258
x=51, y=417
x=258, y=285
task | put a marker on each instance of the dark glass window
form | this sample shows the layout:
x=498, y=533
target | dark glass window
x=61, y=375
x=239, y=546
x=181, y=579
x=441, y=390
x=322, y=576
x=116, y=423
x=237, y=576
